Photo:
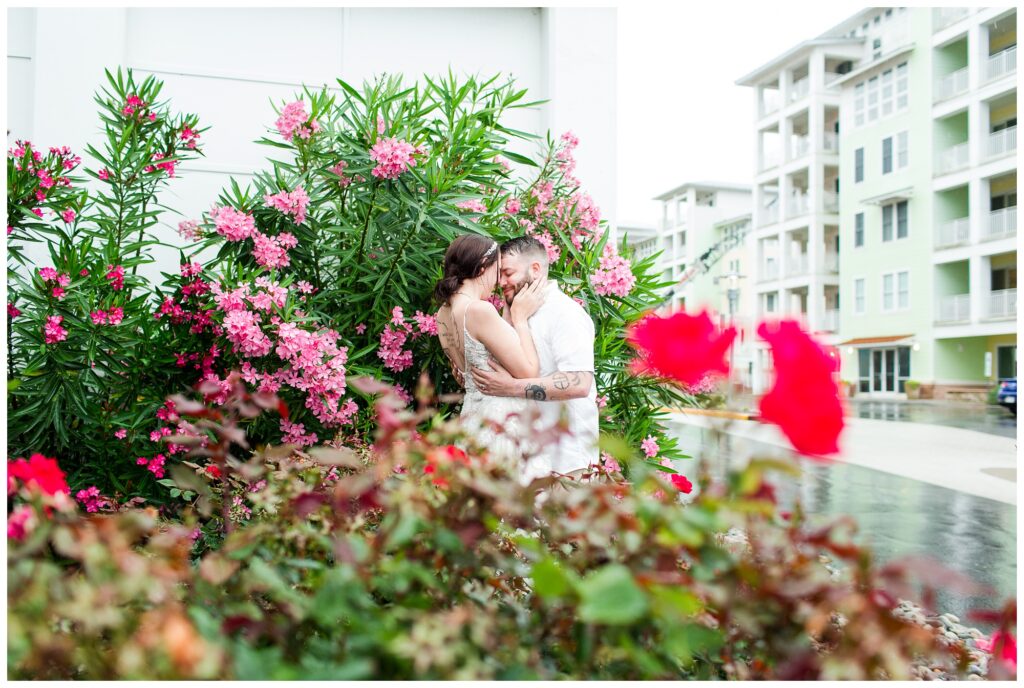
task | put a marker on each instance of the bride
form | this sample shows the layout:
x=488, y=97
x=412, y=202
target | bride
x=472, y=332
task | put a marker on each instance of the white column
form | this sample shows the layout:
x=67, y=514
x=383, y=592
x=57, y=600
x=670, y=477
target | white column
x=979, y=278
x=977, y=54
x=978, y=204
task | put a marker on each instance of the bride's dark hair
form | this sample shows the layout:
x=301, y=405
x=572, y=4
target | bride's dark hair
x=467, y=257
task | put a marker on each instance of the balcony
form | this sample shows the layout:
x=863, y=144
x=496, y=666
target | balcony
x=830, y=201
x=799, y=147
x=951, y=85
x=1002, y=304
x=953, y=233
x=832, y=262
x=830, y=321
x=798, y=205
x=799, y=89
x=832, y=76
x=1003, y=62
x=954, y=309
x=768, y=272
x=769, y=105
x=797, y=265
x=953, y=159
x=831, y=142
x=1002, y=142
x=1001, y=224
x=946, y=16
x=769, y=215
x=769, y=160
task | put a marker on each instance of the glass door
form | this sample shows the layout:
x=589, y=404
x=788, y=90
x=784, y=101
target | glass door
x=889, y=369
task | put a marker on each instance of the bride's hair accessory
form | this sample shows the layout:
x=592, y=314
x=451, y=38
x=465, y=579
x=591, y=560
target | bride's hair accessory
x=491, y=249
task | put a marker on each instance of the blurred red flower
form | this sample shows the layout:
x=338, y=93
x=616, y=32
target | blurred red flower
x=39, y=471
x=1003, y=645
x=681, y=483
x=804, y=401
x=682, y=347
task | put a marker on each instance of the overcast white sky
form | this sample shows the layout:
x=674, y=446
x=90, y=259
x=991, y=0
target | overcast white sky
x=681, y=117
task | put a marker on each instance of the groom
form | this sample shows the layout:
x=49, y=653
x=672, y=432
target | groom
x=564, y=336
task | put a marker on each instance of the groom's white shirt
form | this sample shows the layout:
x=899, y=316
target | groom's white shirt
x=564, y=336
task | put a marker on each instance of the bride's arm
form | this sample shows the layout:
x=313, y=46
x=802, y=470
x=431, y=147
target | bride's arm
x=517, y=355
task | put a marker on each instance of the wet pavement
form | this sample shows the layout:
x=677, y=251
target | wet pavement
x=899, y=516
x=991, y=419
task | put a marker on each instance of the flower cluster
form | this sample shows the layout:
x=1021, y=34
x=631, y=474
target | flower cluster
x=473, y=205
x=513, y=206
x=233, y=225
x=614, y=276
x=290, y=203
x=295, y=433
x=154, y=465
x=112, y=316
x=339, y=170
x=650, y=447
x=91, y=499
x=53, y=331
x=393, y=157
x=39, y=476
x=137, y=108
x=190, y=137
x=189, y=230
x=115, y=275
x=395, y=336
x=294, y=121
x=271, y=252
x=166, y=166
x=41, y=179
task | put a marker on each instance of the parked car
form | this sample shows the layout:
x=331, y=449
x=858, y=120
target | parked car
x=1007, y=394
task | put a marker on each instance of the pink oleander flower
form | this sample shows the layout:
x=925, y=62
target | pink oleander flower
x=360, y=328
x=232, y=224
x=243, y=331
x=473, y=205
x=650, y=447
x=189, y=230
x=609, y=463
x=115, y=275
x=294, y=121
x=38, y=211
x=271, y=252
x=305, y=287
x=12, y=311
x=115, y=315
x=103, y=174
x=426, y=323
x=191, y=269
x=20, y=522
x=91, y=499
x=602, y=401
x=381, y=127
x=47, y=274
x=503, y=161
x=513, y=206
x=614, y=276
x=98, y=317
x=167, y=166
x=45, y=180
x=63, y=279
x=295, y=433
x=121, y=433
x=391, y=352
x=190, y=137
x=290, y=203
x=339, y=170
x=59, y=293
x=554, y=252
x=83, y=272
x=393, y=157
x=52, y=330
x=68, y=215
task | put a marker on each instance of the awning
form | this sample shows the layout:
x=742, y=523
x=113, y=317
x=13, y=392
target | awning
x=890, y=196
x=868, y=341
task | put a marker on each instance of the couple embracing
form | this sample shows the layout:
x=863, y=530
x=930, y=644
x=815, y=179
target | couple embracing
x=528, y=370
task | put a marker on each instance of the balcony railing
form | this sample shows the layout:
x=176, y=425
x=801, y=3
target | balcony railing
x=1002, y=304
x=830, y=321
x=799, y=147
x=951, y=85
x=798, y=205
x=769, y=215
x=954, y=309
x=799, y=89
x=797, y=265
x=1003, y=62
x=769, y=105
x=831, y=142
x=1002, y=142
x=952, y=233
x=769, y=160
x=830, y=201
x=832, y=76
x=946, y=16
x=953, y=159
x=831, y=262
x=1001, y=223
x=768, y=272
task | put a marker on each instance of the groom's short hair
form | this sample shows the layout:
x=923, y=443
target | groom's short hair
x=525, y=246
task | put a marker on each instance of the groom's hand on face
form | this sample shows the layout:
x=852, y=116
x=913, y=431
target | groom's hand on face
x=497, y=383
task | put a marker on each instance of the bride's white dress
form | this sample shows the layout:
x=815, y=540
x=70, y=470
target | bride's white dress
x=478, y=408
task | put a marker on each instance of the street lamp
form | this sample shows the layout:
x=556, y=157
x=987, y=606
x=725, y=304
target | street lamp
x=733, y=293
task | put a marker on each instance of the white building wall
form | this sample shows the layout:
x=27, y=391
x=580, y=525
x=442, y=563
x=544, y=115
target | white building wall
x=229, y=65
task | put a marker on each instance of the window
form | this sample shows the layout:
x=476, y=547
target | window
x=887, y=222
x=858, y=104
x=895, y=216
x=1006, y=362
x=901, y=220
x=903, y=290
x=858, y=230
x=864, y=369
x=881, y=96
x=876, y=47
x=896, y=291
x=887, y=155
x=902, y=149
x=902, y=86
x=769, y=302
x=858, y=165
x=1000, y=201
x=887, y=99
x=1012, y=122
x=1004, y=278
x=873, y=99
x=858, y=296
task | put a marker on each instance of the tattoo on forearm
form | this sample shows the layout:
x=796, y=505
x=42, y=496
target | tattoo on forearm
x=560, y=381
x=536, y=392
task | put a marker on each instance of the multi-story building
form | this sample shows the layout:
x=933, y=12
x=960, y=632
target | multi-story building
x=702, y=236
x=642, y=238
x=922, y=243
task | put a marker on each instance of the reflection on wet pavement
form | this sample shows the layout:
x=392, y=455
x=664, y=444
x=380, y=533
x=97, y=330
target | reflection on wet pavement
x=994, y=420
x=899, y=517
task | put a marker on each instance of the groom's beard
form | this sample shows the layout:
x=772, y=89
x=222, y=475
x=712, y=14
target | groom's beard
x=527, y=281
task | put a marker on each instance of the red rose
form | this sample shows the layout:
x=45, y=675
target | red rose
x=804, y=401
x=682, y=347
x=41, y=472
